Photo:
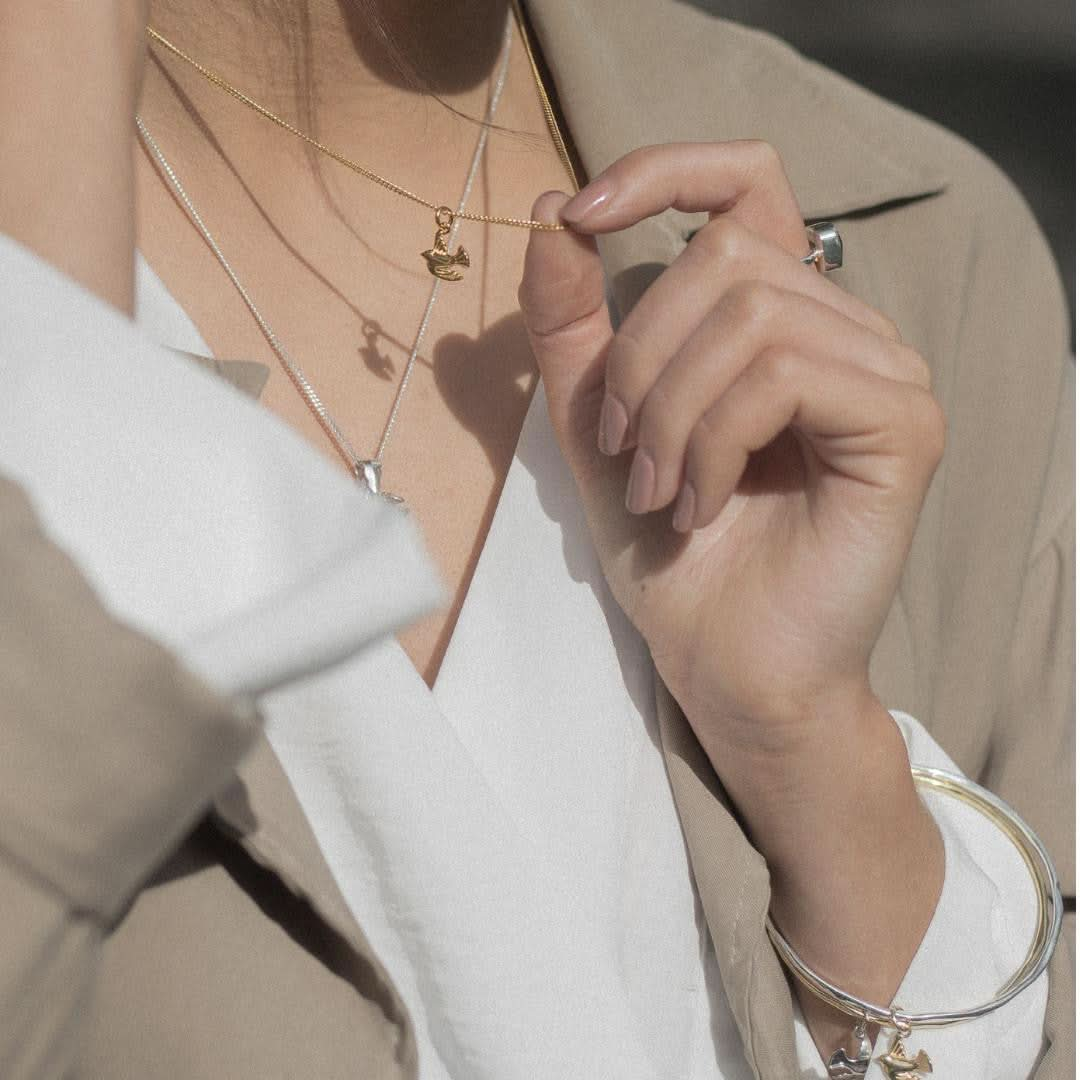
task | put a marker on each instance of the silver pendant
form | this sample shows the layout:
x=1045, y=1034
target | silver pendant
x=369, y=473
x=842, y=1067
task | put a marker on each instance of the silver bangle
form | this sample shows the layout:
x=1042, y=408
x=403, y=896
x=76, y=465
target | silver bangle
x=1048, y=927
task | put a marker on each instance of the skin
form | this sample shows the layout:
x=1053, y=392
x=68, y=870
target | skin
x=328, y=254
x=772, y=435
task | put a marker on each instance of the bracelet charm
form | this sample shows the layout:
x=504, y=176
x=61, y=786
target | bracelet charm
x=899, y=1065
x=842, y=1067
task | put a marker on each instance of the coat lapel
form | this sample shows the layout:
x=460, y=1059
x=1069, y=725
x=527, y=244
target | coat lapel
x=845, y=151
x=733, y=885
x=260, y=811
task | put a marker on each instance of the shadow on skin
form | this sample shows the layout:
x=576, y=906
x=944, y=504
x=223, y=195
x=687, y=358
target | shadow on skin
x=454, y=46
x=207, y=132
x=485, y=378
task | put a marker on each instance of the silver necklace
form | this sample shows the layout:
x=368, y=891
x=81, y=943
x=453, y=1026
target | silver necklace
x=367, y=471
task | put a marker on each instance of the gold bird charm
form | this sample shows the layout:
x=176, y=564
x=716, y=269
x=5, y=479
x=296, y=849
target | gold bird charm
x=899, y=1066
x=440, y=262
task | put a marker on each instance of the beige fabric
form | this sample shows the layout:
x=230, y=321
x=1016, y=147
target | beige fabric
x=239, y=959
x=110, y=750
x=979, y=644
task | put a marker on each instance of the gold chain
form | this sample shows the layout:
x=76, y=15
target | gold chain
x=440, y=208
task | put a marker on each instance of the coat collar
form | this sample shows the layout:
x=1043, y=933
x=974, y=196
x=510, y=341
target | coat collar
x=638, y=72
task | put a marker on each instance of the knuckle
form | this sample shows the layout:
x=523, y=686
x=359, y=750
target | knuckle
x=624, y=366
x=640, y=154
x=702, y=442
x=929, y=428
x=751, y=302
x=721, y=238
x=920, y=369
x=937, y=430
x=765, y=155
x=777, y=367
x=640, y=159
x=889, y=329
x=907, y=365
x=655, y=419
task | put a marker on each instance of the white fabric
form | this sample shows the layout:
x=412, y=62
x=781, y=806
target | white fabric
x=508, y=841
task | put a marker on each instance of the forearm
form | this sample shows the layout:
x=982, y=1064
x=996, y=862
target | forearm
x=856, y=861
x=69, y=75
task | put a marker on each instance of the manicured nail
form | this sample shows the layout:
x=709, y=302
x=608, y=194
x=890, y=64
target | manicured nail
x=613, y=425
x=587, y=202
x=639, y=492
x=683, y=519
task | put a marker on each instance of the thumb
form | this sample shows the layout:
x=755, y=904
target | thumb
x=565, y=309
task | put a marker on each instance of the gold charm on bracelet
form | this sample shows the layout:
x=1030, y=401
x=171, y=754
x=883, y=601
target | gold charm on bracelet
x=440, y=262
x=899, y=1065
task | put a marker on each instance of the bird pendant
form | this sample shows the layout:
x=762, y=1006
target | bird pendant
x=842, y=1067
x=899, y=1065
x=441, y=262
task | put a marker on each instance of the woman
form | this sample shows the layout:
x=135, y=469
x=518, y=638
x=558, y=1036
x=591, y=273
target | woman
x=505, y=839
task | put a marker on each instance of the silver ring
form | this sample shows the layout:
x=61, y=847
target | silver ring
x=826, y=247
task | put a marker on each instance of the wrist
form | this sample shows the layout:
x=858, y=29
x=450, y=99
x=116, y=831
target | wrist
x=856, y=861
x=790, y=759
x=811, y=786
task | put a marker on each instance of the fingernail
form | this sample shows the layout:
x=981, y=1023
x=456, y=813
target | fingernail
x=587, y=202
x=683, y=519
x=613, y=425
x=639, y=492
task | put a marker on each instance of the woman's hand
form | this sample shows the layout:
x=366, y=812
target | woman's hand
x=774, y=437
x=765, y=444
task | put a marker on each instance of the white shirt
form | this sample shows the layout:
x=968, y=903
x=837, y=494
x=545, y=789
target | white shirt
x=508, y=839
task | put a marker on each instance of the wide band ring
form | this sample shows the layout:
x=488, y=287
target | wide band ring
x=826, y=247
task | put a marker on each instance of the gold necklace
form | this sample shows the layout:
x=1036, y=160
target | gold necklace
x=367, y=471
x=441, y=262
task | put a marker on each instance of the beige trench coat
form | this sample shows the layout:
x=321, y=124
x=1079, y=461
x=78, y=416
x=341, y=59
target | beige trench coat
x=132, y=946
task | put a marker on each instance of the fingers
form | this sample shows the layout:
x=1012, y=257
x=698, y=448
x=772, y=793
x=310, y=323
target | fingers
x=743, y=179
x=719, y=257
x=733, y=344
x=873, y=429
x=750, y=320
x=565, y=310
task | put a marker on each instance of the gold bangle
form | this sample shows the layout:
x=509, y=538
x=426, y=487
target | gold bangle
x=1047, y=929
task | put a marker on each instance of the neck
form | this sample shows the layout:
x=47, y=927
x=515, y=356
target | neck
x=330, y=51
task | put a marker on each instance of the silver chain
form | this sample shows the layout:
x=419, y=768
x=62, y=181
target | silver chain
x=292, y=368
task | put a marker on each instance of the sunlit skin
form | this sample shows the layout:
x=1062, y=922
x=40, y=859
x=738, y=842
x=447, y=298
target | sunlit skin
x=762, y=607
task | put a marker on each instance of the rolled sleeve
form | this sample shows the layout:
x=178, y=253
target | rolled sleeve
x=110, y=750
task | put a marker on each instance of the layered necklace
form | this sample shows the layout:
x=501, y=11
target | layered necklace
x=444, y=264
x=440, y=261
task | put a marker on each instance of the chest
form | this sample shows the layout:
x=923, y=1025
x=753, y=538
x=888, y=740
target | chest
x=332, y=263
